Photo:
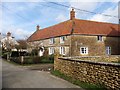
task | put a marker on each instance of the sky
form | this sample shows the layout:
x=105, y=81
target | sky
x=20, y=17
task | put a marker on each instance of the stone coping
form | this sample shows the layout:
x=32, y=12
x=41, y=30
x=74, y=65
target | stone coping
x=91, y=62
x=95, y=56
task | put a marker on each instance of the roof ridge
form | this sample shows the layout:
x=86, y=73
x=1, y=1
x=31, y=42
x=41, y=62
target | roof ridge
x=76, y=26
x=97, y=21
x=55, y=24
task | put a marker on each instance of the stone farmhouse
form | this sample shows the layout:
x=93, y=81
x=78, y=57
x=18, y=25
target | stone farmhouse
x=76, y=37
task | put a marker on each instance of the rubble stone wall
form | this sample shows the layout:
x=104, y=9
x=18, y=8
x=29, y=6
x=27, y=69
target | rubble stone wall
x=107, y=74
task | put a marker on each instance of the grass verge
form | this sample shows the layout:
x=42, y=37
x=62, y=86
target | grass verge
x=84, y=85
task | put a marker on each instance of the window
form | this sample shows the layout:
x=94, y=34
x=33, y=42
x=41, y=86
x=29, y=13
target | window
x=108, y=50
x=83, y=50
x=99, y=38
x=51, y=41
x=62, y=39
x=62, y=50
x=51, y=50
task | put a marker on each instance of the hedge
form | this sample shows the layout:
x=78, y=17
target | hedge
x=33, y=59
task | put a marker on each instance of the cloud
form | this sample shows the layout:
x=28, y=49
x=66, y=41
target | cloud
x=22, y=0
x=96, y=7
x=61, y=18
x=119, y=10
x=110, y=11
x=19, y=32
x=84, y=5
x=44, y=16
x=22, y=34
x=88, y=6
x=91, y=0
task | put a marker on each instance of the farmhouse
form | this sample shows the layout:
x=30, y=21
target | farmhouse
x=76, y=37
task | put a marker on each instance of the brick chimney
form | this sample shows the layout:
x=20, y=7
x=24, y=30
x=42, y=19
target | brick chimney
x=38, y=27
x=72, y=14
x=8, y=34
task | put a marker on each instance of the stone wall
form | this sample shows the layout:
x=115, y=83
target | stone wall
x=107, y=74
x=73, y=43
x=95, y=47
x=111, y=58
x=56, y=45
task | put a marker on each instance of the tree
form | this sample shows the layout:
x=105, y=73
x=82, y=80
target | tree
x=36, y=48
x=8, y=43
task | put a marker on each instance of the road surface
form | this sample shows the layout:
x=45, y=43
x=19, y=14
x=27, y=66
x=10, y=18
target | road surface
x=0, y=73
x=19, y=77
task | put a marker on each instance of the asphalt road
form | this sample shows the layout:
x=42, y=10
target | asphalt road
x=19, y=77
x=0, y=73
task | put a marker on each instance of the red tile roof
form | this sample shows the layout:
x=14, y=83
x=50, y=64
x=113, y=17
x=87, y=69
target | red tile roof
x=76, y=26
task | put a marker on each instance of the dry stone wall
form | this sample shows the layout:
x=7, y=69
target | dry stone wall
x=107, y=74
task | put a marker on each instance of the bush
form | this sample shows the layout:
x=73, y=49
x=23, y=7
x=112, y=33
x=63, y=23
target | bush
x=47, y=59
x=28, y=60
x=15, y=54
x=34, y=59
x=16, y=59
x=4, y=55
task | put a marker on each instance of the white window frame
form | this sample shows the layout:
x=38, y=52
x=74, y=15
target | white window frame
x=51, y=50
x=100, y=38
x=84, y=51
x=108, y=50
x=62, y=39
x=62, y=50
x=51, y=41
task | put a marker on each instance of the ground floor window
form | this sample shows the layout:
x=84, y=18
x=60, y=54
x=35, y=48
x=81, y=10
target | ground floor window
x=51, y=50
x=62, y=50
x=83, y=50
x=108, y=50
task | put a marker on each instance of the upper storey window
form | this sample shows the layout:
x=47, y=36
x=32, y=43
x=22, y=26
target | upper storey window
x=99, y=38
x=52, y=41
x=62, y=39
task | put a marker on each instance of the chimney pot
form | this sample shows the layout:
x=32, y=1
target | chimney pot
x=8, y=34
x=38, y=27
x=72, y=14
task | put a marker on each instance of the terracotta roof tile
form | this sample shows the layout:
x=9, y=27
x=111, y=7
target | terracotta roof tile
x=63, y=28
x=95, y=28
x=79, y=27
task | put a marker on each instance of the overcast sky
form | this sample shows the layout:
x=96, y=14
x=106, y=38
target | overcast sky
x=20, y=17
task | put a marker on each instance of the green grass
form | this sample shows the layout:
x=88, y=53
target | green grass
x=84, y=85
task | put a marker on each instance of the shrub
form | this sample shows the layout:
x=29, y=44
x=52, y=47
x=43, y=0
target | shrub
x=4, y=55
x=15, y=54
x=34, y=59
x=28, y=60
x=51, y=57
x=47, y=59
x=34, y=52
x=16, y=59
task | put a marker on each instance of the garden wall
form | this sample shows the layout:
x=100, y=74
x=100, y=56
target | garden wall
x=107, y=74
x=111, y=58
